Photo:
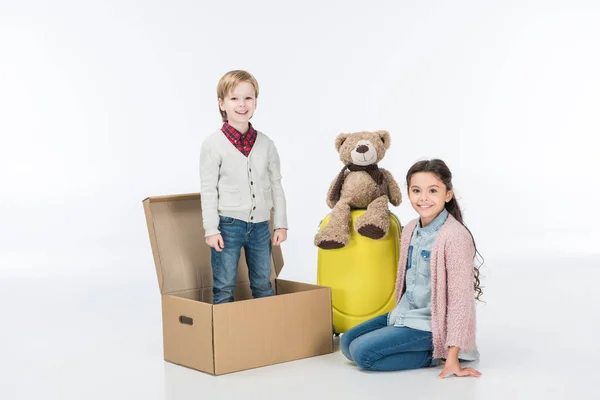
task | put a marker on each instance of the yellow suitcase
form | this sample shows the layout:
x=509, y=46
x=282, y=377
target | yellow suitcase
x=361, y=275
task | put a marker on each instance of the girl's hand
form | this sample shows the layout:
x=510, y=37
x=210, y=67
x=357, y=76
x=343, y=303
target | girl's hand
x=216, y=242
x=280, y=235
x=454, y=368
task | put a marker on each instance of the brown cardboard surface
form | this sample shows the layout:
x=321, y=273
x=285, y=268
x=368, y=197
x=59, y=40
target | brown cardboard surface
x=181, y=255
x=284, y=286
x=203, y=295
x=259, y=332
x=188, y=333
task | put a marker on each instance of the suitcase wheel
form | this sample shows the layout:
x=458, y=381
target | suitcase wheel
x=334, y=332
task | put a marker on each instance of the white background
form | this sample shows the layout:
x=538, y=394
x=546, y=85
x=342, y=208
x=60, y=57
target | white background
x=106, y=103
x=103, y=103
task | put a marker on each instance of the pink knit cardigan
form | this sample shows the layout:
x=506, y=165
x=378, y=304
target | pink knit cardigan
x=452, y=296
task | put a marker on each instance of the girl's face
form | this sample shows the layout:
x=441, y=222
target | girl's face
x=428, y=196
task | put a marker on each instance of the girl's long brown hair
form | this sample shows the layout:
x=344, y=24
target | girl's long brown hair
x=441, y=170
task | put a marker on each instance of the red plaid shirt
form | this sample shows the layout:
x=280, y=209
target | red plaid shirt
x=243, y=142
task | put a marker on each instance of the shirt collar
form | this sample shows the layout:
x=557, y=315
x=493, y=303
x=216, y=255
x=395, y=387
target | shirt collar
x=231, y=131
x=434, y=225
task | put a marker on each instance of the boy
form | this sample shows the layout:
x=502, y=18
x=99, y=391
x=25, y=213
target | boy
x=240, y=184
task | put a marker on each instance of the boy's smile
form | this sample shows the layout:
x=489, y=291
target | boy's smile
x=239, y=104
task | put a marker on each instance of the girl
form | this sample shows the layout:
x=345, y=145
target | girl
x=434, y=318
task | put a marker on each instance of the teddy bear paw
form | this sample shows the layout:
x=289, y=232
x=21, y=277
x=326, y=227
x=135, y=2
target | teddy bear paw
x=371, y=231
x=330, y=245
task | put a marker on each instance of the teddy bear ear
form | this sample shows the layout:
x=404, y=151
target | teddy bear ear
x=385, y=138
x=340, y=139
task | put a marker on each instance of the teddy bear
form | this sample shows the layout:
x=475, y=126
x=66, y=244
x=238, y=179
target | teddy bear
x=361, y=184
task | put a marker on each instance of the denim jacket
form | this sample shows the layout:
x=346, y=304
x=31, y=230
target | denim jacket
x=414, y=308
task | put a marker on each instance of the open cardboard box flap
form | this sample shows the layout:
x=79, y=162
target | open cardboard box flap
x=181, y=256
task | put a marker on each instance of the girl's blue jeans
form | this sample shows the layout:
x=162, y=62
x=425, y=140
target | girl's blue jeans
x=373, y=345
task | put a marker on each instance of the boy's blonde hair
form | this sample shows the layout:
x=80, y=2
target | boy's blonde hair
x=229, y=81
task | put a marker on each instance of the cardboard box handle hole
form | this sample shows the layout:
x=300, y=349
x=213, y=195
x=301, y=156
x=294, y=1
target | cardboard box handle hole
x=186, y=320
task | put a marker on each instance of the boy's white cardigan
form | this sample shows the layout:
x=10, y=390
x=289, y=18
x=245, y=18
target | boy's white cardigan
x=241, y=187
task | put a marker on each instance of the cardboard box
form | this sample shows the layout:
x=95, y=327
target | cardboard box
x=222, y=338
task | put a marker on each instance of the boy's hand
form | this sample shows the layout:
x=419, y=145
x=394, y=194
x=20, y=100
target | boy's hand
x=216, y=242
x=279, y=236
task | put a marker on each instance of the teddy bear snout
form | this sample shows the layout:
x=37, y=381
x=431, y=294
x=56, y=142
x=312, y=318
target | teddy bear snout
x=362, y=149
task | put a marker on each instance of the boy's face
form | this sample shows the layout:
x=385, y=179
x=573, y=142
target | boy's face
x=239, y=104
x=428, y=195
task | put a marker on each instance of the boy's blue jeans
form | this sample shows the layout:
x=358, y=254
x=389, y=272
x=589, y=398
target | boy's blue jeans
x=374, y=345
x=256, y=241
